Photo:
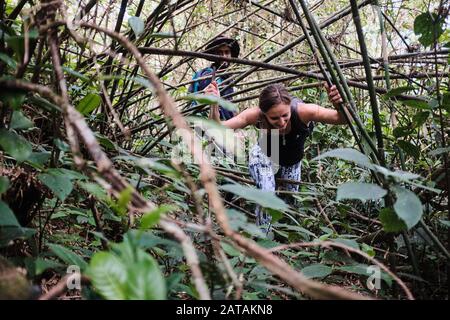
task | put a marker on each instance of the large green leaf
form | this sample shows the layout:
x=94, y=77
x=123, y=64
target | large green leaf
x=266, y=199
x=152, y=218
x=13, y=98
x=7, y=217
x=317, y=271
x=127, y=272
x=19, y=121
x=409, y=148
x=109, y=275
x=8, y=233
x=390, y=221
x=408, y=206
x=137, y=24
x=60, y=184
x=68, y=256
x=349, y=155
x=361, y=191
x=428, y=27
x=418, y=104
x=238, y=221
x=15, y=145
x=17, y=42
x=348, y=242
x=89, y=103
x=4, y=184
x=397, y=91
x=39, y=158
x=10, y=62
x=145, y=280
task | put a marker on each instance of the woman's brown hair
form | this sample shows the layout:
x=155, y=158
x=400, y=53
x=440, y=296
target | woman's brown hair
x=272, y=95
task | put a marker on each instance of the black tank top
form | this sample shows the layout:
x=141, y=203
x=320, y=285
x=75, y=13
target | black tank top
x=291, y=145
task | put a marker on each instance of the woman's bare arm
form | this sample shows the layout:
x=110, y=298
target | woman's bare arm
x=240, y=121
x=313, y=112
x=245, y=118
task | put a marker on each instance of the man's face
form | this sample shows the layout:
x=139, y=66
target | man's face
x=223, y=51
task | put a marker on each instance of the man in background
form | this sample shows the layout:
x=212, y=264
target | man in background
x=221, y=46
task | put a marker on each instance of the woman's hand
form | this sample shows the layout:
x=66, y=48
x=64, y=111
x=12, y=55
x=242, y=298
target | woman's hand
x=333, y=94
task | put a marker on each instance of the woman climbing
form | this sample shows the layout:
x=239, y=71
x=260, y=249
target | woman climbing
x=286, y=122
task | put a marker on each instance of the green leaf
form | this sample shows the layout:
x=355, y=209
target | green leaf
x=105, y=142
x=230, y=250
x=238, y=221
x=9, y=233
x=68, y=256
x=75, y=73
x=445, y=223
x=61, y=145
x=137, y=25
x=439, y=151
x=123, y=200
x=152, y=218
x=397, y=91
x=361, y=191
x=409, y=148
x=162, y=35
x=43, y=264
x=446, y=100
x=109, y=275
x=145, y=280
x=348, y=242
x=10, y=62
x=428, y=27
x=398, y=174
x=39, y=158
x=19, y=121
x=368, y=249
x=418, y=104
x=127, y=272
x=264, y=198
x=17, y=43
x=59, y=184
x=420, y=118
x=349, y=155
x=94, y=189
x=210, y=100
x=317, y=271
x=4, y=184
x=390, y=221
x=13, y=98
x=15, y=145
x=7, y=217
x=402, y=131
x=89, y=103
x=408, y=206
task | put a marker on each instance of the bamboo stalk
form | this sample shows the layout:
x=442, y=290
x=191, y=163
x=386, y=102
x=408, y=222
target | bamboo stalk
x=369, y=80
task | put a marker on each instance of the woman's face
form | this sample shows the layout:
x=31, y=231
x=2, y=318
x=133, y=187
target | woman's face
x=278, y=116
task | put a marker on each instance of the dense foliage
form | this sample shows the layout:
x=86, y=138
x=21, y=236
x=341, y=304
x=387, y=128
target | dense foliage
x=88, y=130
